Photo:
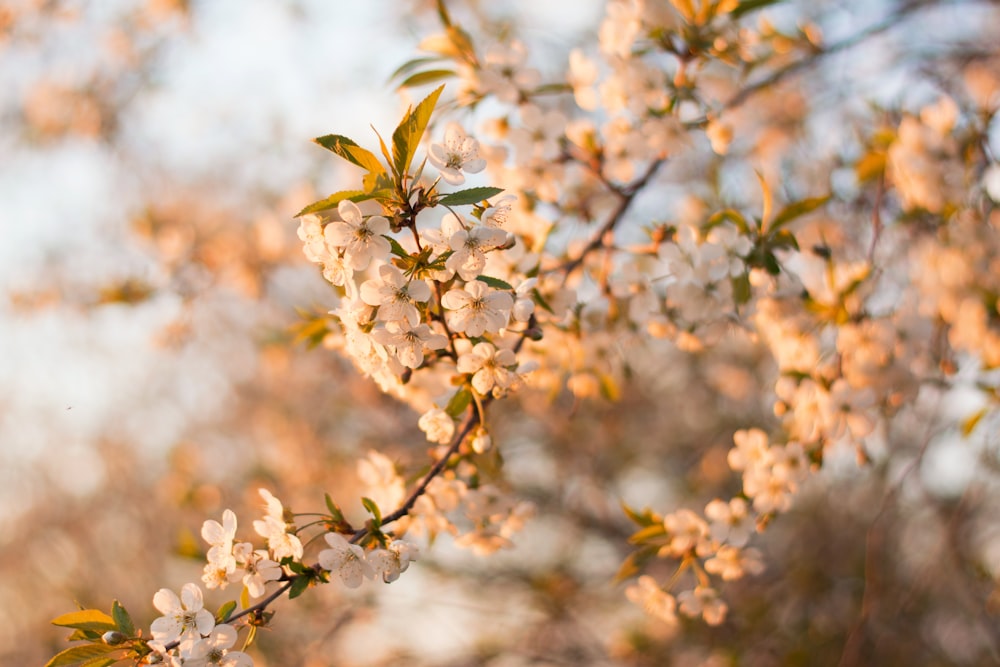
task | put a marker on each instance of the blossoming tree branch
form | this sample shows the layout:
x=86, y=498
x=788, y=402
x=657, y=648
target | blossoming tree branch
x=580, y=254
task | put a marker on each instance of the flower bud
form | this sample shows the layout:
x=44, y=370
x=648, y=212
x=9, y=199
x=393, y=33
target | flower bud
x=113, y=638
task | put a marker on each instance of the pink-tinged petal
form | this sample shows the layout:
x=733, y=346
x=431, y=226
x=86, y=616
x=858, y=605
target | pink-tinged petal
x=456, y=299
x=349, y=212
x=223, y=636
x=338, y=234
x=166, y=601
x=474, y=166
x=419, y=290
x=204, y=621
x=192, y=597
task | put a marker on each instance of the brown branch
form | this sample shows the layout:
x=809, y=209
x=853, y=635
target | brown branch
x=627, y=196
x=783, y=73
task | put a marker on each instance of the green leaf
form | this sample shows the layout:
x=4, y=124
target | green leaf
x=333, y=200
x=415, y=63
x=458, y=403
x=784, y=239
x=609, y=388
x=428, y=76
x=383, y=147
x=796, y=210
x=644, y=518
x=84, y=635
x=78, y=655
x=373, y=509
x=470, y=196
x=407, y=135
x=395, y=248
x=87, y=619
x=335, y=511
x=350, y=151
x=122, y=619
x=741, y=288
x=299, y=586
x=495, y=283
x=101, y=662
x=748, y=6
x=634, y=563
x=969, y=425
x=871, y=166
x=732, y=215
x=648, y=533
x=225, y=611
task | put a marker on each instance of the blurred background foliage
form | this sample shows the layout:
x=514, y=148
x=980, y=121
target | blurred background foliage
x=154, y=153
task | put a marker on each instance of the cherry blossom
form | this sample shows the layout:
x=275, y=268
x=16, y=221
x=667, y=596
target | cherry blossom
x=477, y=308
x=459, y=153
x=346, y=560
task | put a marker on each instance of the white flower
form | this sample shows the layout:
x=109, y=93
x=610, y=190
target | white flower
x=220, y=536
x=490, y=367
x=382, y=483
x=524, y=304
x=273, y=528
x=438, y=425
x=504, y=73
x=409, y=342
x=477, y=308
x=703, y=601
x=459, y=153
x=498, y=214
x=311, y=234
x=539, y=134
x=469, y=249
x=184, y=618
x=394, y=295
x=360, y=239
x=389, y=563
x=582, y=76
x=732, y=563
x=731, y=522
x=654, y=600
x=258, y=569
x=346, y=559
x=686, y=530
x=214, y=650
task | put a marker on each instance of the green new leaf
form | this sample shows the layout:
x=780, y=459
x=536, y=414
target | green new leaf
x=335, y=512
x=648, y=533
x=299, y=586
x=458, y=403
x=122, y=619
x=732, y=216
x=101, y=662
x=634, y=563
x=333, y=200
x=415, y=63
x=644, y=518
x=969, y=425
x=87, y=619
x=470, y=196
x=80, y=655
x=797, y=209
x=741, y=288
x=225, y=611
x=429, y=76
x=395, y=248
x=350, y=151
x=407, y=135
x=748, y=6
x=495, y=283
x=373, y=510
